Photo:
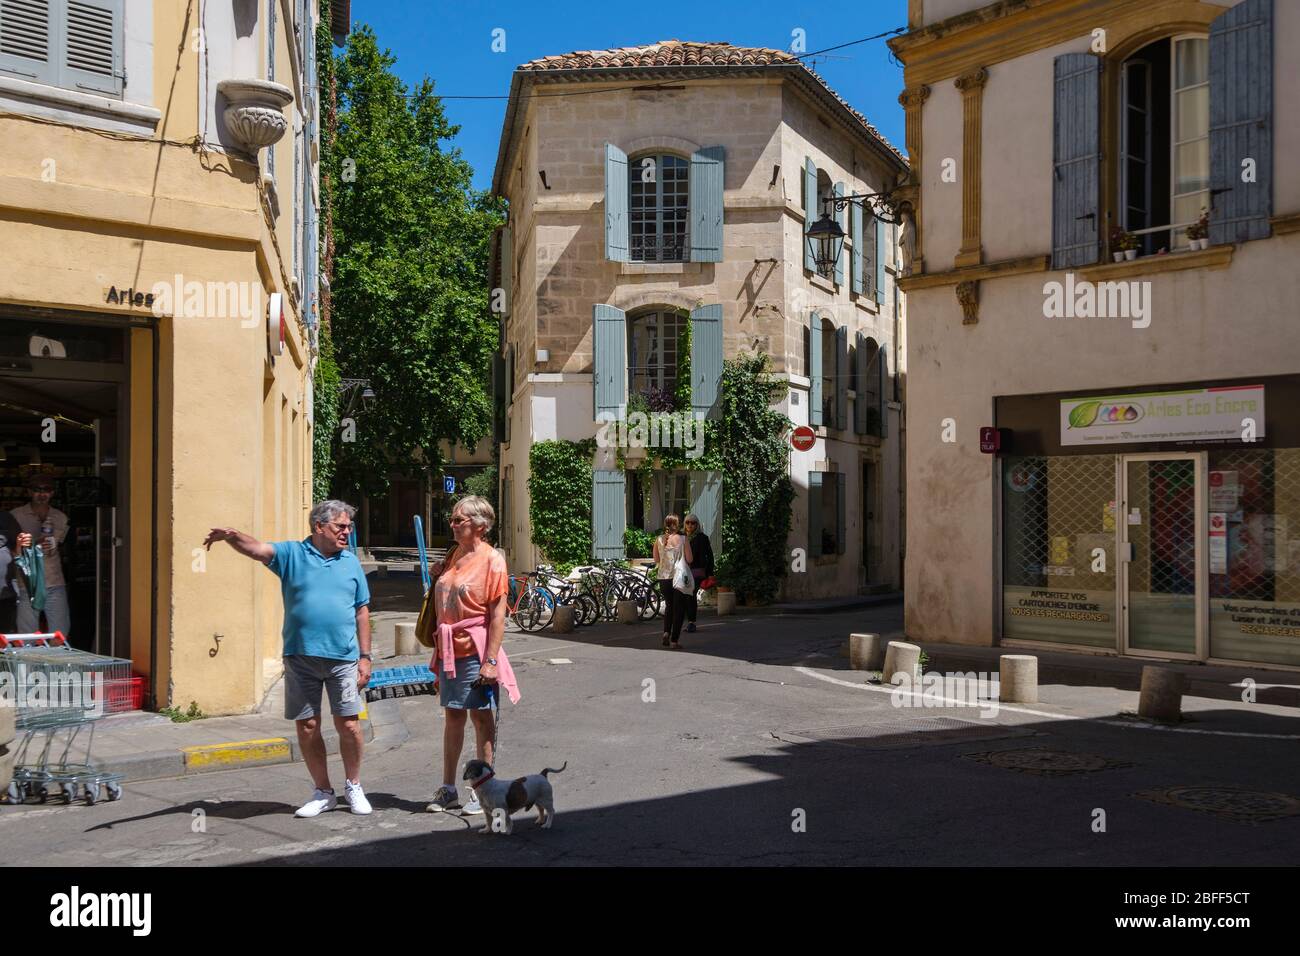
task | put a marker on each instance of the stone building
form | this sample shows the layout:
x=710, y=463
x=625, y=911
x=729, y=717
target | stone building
x=670, y=185
x=1109, y=229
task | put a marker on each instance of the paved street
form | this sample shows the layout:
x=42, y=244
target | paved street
x=715, y=768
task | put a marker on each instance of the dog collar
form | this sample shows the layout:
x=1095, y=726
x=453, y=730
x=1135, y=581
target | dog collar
x=483, y=779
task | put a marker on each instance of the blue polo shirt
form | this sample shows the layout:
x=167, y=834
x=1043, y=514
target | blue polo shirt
x=321, y=597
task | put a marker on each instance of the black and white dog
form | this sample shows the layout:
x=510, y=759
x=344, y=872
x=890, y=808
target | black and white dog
x=500, y=798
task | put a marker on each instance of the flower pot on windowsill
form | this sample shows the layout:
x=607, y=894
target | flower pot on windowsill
x=1118, y=256
x=1130, y=254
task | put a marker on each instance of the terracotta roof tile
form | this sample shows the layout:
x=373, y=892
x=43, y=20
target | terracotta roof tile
x=689, y=53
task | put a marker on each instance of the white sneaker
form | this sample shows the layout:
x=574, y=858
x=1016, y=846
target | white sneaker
x=472, y=806
x=321, y=800
x=356, y=798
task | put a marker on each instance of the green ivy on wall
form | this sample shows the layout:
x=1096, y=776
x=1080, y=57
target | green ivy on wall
x=559, y=500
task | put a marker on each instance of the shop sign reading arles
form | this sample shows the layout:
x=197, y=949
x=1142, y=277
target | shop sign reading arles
x=1198, y=414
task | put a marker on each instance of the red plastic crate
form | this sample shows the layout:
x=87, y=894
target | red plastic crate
x=125, y=696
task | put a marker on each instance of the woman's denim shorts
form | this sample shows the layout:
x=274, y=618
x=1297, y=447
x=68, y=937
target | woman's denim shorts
x=456, y=691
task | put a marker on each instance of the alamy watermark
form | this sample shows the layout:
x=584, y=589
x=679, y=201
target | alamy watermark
x=959, y=689
x=653, y=430
x=1081, y=299
x=36, y=690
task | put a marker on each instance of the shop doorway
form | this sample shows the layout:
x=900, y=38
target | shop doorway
x=1162, y=585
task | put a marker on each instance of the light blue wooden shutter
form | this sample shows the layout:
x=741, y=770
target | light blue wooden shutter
x=510, y=387
x=1076, y=161
x=505, y=535
x=608, y=514
x=706, y=360
x=868, y=251
x=815, y=369
x=609, y=364
x=840, y=505
x=706, y=504
x=882, y=360
x=855, y=227
x=706, y=204
x=29, y=40
x=810, y=211
x=882, y=258
x=838, y=192
x=1241, y=121
x=616, y=196
x=841, y=377
x=815, y=514
x=91, y=50
x=860, y=377
x=507, y=268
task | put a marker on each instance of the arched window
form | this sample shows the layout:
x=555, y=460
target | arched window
x=652, y=338
x=1164, y=127
x=659, y=208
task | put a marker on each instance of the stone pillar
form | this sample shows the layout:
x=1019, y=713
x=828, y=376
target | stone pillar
x=913, y=100
x=629, y=612
x=1018, y=679
x=1161, y=697
x=562, y=620
x=904, y=658
x=404, y=640
x=972, y=106
x=726, y=602
x=866, y=652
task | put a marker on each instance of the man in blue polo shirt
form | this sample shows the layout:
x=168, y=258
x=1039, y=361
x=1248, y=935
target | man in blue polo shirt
x=326, y=641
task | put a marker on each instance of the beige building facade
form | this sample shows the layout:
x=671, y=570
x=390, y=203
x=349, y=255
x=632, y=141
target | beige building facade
x=1108, y=230
x=674, y=192
x=158, y=195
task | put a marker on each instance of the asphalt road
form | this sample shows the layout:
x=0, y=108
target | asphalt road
x=722, y=753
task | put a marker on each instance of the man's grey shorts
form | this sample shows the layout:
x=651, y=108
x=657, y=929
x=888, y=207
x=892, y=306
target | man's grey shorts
x=305, y=676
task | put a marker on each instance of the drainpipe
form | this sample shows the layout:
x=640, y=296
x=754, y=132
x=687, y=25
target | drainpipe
x=153, y=532
x=902, y=447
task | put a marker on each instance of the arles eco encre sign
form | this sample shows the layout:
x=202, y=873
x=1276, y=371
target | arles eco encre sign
x=1198, y=414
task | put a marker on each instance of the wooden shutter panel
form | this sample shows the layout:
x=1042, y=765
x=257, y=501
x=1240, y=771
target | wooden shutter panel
x=841, y=377
x=509, y=398
x=609, y=360
x=869, y=256
x=1076, y=161
x=815, y=514
x=706, y=360
x=91, y=52
x=498, y=397
x=505, y=535
x=815, y=369
x=608, y=514
x=860, y=402
x=838, y=191
x=882, y=258
x=809, y=211
x=882, y=360
x=855, y=229
x=706, y=204
x=507, y=268
x=840, y=507
x=1241, y=121
x=616, y=196
x=706, y=503
x=29, y=39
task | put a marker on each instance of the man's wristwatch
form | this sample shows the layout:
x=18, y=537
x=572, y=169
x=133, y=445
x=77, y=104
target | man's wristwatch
x=492, y=661
x=367, y=657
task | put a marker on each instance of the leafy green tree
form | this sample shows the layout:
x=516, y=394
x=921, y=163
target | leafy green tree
x=410, y=283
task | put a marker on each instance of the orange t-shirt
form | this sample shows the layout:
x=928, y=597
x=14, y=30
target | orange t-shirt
x=471, y=582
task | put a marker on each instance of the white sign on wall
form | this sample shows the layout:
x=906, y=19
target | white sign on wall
x=1197, y=414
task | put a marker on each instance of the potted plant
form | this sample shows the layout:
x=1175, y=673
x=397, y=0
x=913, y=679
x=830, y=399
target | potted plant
x=1123, y=244
x=1198, y=233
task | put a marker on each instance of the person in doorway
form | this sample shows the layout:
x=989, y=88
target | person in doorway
x=668, y=548
x=48, y=526
x=326, y=642
x=12, y=542
x=701, y=566
x=470, y=601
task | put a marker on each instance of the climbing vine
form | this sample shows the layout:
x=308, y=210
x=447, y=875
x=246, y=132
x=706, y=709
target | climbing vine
x=559, y=500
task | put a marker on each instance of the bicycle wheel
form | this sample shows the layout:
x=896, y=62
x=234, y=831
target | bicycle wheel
x=544, y=602
x=590, y=609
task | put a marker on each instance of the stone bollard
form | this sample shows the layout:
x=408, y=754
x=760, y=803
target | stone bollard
x=562, y=620
x=726, y=602
x=1018, y=679
x=629, y=612
x=901, y=658
x=866, y=652
x=1161, y=697
x=404, y=639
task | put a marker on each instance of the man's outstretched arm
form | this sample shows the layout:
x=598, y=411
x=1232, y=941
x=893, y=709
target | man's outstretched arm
x=245, y=544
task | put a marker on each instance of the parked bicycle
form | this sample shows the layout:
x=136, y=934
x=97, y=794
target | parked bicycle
x=530, y=604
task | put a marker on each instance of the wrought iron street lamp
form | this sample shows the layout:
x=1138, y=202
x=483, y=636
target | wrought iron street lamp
x=827, y=238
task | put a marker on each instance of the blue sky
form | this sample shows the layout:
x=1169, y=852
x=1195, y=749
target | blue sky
x=452, y=44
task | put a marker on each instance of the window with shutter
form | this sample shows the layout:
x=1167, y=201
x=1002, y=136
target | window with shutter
x=706, y=504
x=810, y=212
x=855, y=229
x=841, y=377
x=1076, y=160
x=861, y=362
x=659, y=209
x=706, y=204
x=609, y=378
x=706, y=360
x=608, y=514
x=839, y=219
x=882, y=258
x=71, y=44
x=616, y=204
x=814, y=369
x=28, y=31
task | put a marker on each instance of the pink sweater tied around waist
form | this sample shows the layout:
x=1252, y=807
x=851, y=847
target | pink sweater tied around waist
x=476, y=628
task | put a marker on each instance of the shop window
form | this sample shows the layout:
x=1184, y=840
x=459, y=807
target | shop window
x=659, y=208
x=1254, y=555
x=1164, y=170
x=1055, y=513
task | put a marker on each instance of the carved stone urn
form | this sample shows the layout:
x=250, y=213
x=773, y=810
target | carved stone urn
x=255, y=111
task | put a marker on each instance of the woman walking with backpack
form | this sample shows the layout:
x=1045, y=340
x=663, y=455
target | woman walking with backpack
x=669, y=548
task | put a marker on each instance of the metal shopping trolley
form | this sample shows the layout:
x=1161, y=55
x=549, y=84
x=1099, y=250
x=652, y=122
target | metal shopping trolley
x=59, y=693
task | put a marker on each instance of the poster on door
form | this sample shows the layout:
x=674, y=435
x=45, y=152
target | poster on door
x=1218, y=543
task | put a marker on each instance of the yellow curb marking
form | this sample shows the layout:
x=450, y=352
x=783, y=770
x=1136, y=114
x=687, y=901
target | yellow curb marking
x=243, y=751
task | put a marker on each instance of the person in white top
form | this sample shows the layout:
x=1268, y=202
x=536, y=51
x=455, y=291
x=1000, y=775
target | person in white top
x=670, y=546
x=48, y=526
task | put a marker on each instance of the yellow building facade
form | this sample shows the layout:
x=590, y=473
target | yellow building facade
x=158, y=262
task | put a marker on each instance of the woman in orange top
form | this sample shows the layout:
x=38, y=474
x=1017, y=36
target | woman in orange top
x=470, y=599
